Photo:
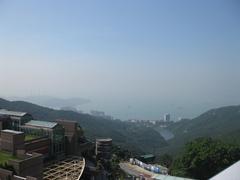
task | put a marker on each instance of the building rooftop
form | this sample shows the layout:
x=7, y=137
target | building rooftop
x=43, y=124
x=12, y=113
x=231, y=173
x=168, y=177
x=146, y=156
x=103, y=139
x=65, y=120
x=11, y=131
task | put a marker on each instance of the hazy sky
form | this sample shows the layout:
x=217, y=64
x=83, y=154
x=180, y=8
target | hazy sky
x=143, y=56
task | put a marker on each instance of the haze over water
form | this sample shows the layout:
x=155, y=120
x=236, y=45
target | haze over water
x=131, y=59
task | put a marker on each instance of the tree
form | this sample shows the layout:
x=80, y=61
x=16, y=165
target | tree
x=205, y=157
x=165, y=160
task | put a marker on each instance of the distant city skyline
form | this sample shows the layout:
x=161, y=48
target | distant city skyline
x=131, y=59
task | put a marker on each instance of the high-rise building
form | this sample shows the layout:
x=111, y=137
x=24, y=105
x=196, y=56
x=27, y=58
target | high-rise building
x=167, y=117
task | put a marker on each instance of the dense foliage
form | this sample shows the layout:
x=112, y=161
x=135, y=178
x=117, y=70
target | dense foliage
x=112, y=166
x=205, y=157
x=118, y=155
x=165, y=160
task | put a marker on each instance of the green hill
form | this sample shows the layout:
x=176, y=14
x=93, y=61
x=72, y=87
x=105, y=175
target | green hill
x=128, y=135
x=221, y=123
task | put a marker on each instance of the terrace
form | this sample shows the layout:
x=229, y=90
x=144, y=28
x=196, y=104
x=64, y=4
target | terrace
x=29, y=137
x=5, y=157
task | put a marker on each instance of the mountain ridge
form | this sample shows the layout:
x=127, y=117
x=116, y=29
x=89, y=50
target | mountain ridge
x=220, y=123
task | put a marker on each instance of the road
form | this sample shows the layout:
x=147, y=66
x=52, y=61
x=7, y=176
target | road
x=134, y=170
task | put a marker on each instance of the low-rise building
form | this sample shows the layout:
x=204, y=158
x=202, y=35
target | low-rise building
x=26, y=142
x=52, y=130
x=147, y=158
x=16, y=118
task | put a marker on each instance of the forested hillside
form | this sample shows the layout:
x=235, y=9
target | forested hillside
x=205, y=157
x=221, y=123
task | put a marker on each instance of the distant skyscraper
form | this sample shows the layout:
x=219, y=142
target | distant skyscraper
x=167, y=117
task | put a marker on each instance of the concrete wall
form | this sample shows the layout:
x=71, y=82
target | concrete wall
x=5, y=174
x=71, y=134
x=30, y=166
x=69, y=126
x=40, y=145
x=8, y=175
x=11, y=142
